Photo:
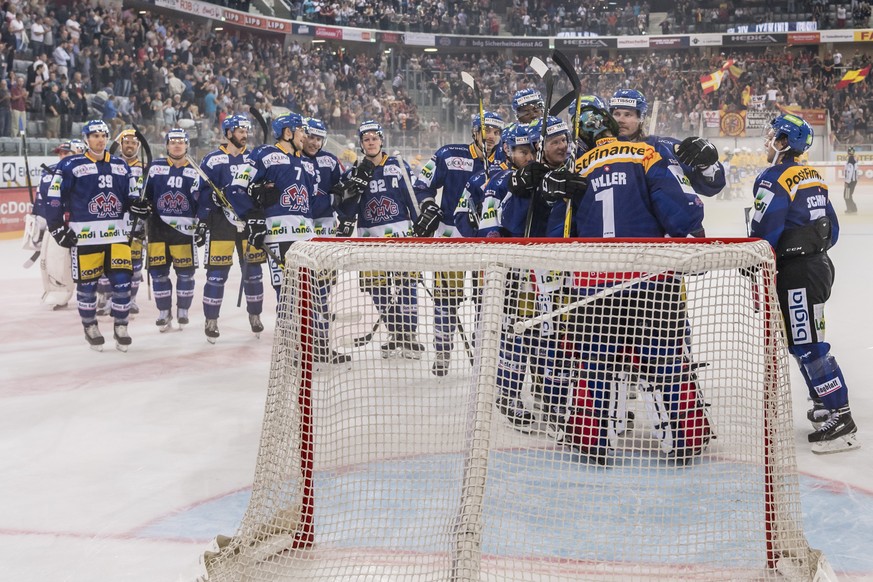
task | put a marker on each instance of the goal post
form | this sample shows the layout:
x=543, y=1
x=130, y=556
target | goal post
x=626, y=415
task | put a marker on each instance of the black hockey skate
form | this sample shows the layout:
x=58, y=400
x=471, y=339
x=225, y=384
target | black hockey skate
x=182, y=317
x=122, y=338
x=441, y=364
x=515, y=411
x=255, y=324
x=836, y=435
x=211, y=330
x=94, y=337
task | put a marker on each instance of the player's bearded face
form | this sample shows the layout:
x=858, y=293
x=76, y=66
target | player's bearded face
x=129, y=146
x=522, y=156
x=628, y=121
x=492, y=137
x=241, y=135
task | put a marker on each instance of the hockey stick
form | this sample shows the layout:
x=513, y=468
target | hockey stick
x=222, y=199
x=563, y=103
x=468, y=80
x=566, y=66
x=522, y=326
x=545, y=73
x=408, y=183
x=260, y=119
x=32, y=260
x=457, y=320
x=365, y=339
x=756, y=298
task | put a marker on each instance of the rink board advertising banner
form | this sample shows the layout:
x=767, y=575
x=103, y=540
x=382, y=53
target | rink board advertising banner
x=14, y=206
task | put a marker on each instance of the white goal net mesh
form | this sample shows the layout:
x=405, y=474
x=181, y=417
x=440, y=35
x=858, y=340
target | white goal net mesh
x=525, y=411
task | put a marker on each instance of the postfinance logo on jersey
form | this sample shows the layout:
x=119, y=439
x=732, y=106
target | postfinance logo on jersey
x=794, y=175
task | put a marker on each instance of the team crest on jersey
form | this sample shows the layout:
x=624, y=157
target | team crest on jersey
x=295, y=199
x=173, y=203
x=381, y=209
x=308, y=166
x=105, y=205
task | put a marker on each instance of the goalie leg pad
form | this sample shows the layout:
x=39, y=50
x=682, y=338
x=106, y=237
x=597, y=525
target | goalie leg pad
x=679, y=416
x=586, y=424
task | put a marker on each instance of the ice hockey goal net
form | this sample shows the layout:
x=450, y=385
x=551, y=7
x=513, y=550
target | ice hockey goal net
x=612, y=410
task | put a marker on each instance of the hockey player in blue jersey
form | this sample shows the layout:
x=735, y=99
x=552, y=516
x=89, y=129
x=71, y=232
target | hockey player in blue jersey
x=794, y=214
x=330, y=171
x=626, y=189
x=376, y=197
x=221, y=233
x=172, y=189
x=87, y=211
x=449, y=169
x=272, y=193
x=54, y=261
x=467, y=214
x=697, y=157
x=128, y=150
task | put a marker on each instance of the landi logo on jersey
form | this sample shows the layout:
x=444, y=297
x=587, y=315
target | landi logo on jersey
x=295, y=198
x=277, y=228
x=105, y=205
x=381, y=209
x=173, y=203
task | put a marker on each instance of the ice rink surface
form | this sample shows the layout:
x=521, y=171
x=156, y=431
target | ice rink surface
x=121, y=467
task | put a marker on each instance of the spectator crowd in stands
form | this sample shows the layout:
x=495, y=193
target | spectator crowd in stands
x=65, y=63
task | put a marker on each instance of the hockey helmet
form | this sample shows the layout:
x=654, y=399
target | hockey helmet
x=95, y=126
x=795, y=130
x=491, y=120
x=77, y=146
x=593, y=123
x=528, y=96
x=316, y=127
x=851, y=151
x=290, y=120
x=126, y=134
x=517, y=135
x=370, y=126
x=231, y=122
x=629, y=99
x=554, y=126
x=584, y=100
x=177, y=133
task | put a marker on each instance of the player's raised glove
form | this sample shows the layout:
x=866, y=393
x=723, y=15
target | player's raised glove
x=140, y=208
x=346, y=227
x=64, y=236
x=428, y=220
x=563, y=184
x=200, y=233
x=697, y=152
x=526, y=180
x=256, y=228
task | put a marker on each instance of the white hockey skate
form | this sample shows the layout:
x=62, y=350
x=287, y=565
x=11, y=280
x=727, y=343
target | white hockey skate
x=122, y=338
x=94, y=337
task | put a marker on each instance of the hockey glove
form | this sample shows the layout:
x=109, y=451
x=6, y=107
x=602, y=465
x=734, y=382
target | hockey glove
x=264, y=194
x=256, y=228
x=526, y=180
x=346, y=227
x=696, y=152
x=428, y=220
x=473, y=220
x=140, y=208
x=562, y=184
x=64, y=236
x=200, y=233
x=361, y=174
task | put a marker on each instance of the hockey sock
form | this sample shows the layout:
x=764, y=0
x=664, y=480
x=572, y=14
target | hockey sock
x=136, y=279
x=254, y=288
x=86, y=294
x=163, y=288
x=407, y=305
x=445, y=322
x=184, y=288
x=822, y=373
x=120, y=295
x=511, y=363
x=213, y=291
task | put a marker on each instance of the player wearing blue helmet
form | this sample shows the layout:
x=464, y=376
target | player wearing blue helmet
x=697, y=157
x=220, y=232
x=793, y=212
x=375, y=197
x=89, y=204
x=329, y=170
x=449, y=170
x=172, y=188
x=528, y=105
